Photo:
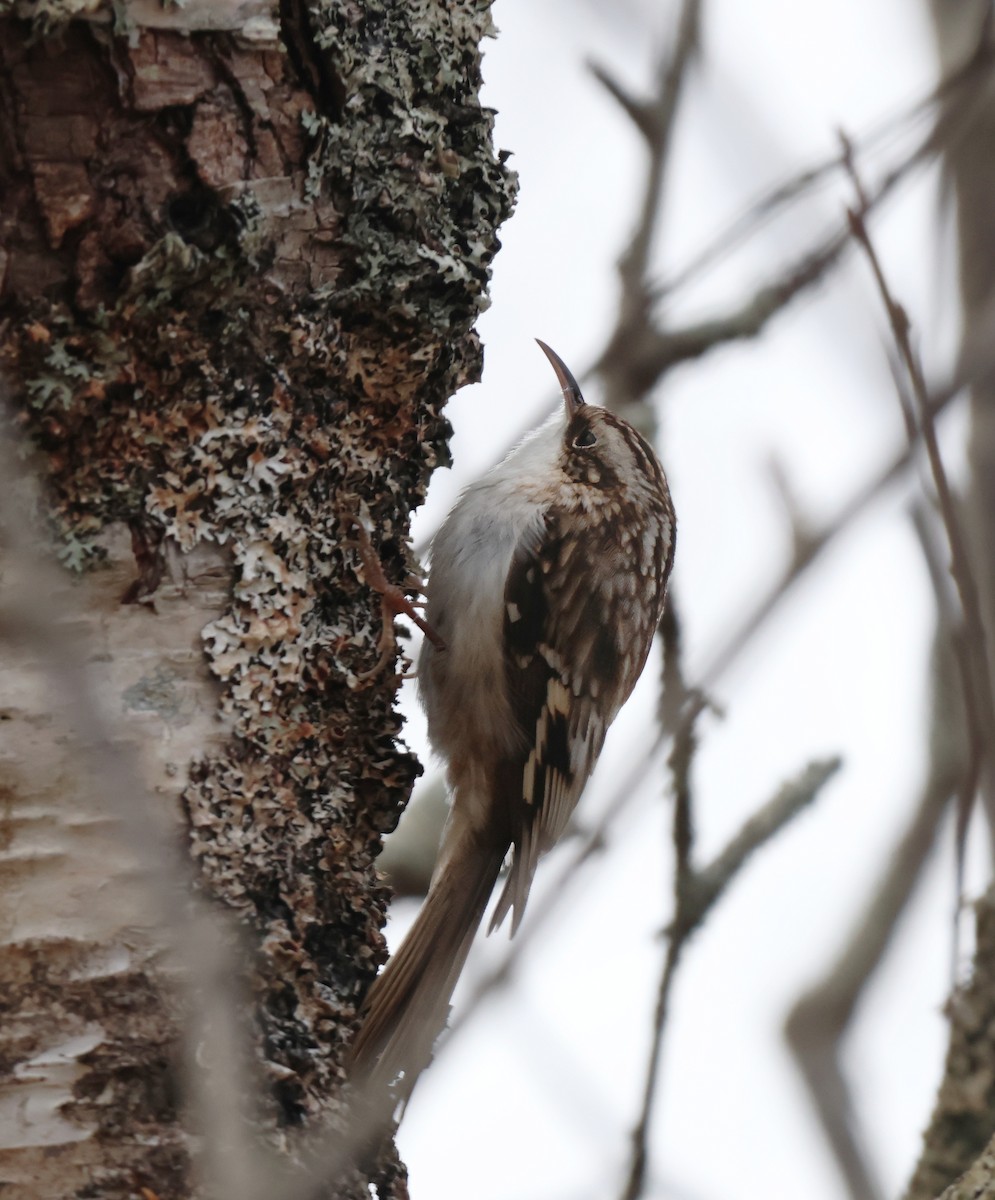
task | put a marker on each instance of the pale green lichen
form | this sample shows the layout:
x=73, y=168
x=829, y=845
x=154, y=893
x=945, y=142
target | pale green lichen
x=200, y=391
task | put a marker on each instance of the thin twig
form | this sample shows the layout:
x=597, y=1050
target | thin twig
x=972, y=652
x=695, y=895
x=659, y=350
x=815, y=1026
x=674, y=690
x=711, y=881
x=635, y=357
x=680, y=761
x=770, y=203
x=655, y=119
x=640, y=350
x=809, y=551
x=950, y=637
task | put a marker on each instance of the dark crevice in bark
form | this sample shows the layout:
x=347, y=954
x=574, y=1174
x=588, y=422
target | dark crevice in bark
x=312, y=64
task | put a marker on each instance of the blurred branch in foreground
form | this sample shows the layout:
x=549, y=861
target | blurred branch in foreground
x=120, y=878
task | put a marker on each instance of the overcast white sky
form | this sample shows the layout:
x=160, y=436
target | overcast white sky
x=537, y=1099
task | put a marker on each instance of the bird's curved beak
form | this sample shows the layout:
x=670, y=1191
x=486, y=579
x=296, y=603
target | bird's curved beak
x=571, y=389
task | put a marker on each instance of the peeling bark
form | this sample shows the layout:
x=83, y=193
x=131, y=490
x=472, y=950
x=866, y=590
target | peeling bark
x=88, y=1039
x=242, y=250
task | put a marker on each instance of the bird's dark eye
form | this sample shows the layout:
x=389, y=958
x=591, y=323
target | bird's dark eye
x=585, y=439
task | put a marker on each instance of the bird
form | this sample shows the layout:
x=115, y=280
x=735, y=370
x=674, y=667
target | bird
x=547, y=582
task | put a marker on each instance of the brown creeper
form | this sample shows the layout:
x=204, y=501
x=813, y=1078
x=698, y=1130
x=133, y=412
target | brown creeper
x=547, y=584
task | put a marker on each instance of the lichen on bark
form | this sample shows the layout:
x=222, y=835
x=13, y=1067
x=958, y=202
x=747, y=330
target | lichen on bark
x=240, y=272
x=964, y=1115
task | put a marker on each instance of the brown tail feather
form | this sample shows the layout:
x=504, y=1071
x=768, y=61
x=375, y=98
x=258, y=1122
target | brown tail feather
x=407, y=1006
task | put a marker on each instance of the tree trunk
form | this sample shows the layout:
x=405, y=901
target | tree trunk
x=241, y=254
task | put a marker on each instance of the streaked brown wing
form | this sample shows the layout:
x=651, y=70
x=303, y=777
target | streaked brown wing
x=566, y=673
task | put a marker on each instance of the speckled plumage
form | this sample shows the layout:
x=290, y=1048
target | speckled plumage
x=547, y=584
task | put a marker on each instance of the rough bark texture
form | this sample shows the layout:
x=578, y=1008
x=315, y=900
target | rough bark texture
x=978, y=1181
x=964, y=1117
x=241, y=252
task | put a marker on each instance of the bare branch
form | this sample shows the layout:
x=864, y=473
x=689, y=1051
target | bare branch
x=815, y=1026
x=639, y=350
x=807, y=553
x=976, y=362
x=680, y=762
x=641, y=113
x=655, y=120
x=954, y=88
x=968, y=749
x=817, y=1022
x=696, y=893
x=708, y=884
x=979, y=697
x=665, y=349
